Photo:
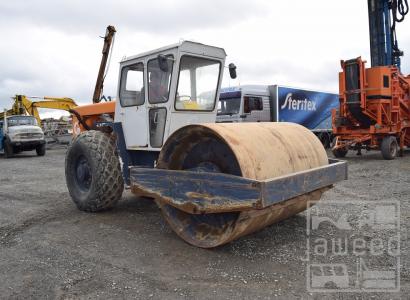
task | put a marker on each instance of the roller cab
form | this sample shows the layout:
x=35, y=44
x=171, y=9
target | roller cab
x=213, y=182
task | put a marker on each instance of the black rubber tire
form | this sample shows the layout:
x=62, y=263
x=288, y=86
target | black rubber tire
x=339, y=153
x=8, y=149
x=325, y=138
x=389, y=147
x=41, y=150
x=103, y=188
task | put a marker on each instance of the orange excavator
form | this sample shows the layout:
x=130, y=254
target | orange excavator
x=85, y=116
x=374, y=111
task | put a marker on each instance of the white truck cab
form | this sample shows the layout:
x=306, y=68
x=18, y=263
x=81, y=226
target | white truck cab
x=21, y=133
x=248, y=103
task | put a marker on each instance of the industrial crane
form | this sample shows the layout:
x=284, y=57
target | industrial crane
x=374, y=111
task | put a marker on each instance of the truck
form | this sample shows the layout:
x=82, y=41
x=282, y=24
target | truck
x=278, y=103
x=21, y=133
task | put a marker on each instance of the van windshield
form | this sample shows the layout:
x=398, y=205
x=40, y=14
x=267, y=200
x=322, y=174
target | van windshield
x=230, y=106
x=21, y=120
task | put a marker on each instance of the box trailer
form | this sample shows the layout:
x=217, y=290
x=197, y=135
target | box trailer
x=277, y=103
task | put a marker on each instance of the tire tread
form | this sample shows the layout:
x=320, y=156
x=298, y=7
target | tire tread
x=107, y=182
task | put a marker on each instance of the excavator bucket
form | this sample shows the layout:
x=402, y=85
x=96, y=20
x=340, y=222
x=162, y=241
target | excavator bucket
x=217, y=182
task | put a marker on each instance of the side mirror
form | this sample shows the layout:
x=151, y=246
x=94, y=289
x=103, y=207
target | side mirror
x=163, y=63
x=232, y=70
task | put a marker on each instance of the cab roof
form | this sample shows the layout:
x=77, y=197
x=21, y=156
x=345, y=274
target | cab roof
x=184, y=46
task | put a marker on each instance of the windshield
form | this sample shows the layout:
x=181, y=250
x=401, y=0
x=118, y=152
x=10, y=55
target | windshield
x=21, y=120
x=229, y=106
x=197, y=83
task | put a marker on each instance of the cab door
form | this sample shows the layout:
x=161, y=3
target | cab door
x=159, y=91
x=131, y=107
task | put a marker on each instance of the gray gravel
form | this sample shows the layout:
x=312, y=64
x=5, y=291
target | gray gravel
x=50, y=250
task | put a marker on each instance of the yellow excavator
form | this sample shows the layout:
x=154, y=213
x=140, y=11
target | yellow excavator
x=24, y=105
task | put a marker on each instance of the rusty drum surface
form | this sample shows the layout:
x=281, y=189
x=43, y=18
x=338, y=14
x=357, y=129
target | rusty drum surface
x=251, y=150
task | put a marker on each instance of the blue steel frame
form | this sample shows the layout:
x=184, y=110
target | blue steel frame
x=381, y=40
x=217, y=192
x=132, y=157
x=206, y=192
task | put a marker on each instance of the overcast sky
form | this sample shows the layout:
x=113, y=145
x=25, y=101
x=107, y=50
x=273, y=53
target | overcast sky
x=52, y=48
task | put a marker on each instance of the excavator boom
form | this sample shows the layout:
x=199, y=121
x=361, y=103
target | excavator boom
x=99, y=85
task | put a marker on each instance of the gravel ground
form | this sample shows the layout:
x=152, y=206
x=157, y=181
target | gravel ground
x=50, y=250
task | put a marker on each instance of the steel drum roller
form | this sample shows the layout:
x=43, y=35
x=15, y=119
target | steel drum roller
x=251, y=150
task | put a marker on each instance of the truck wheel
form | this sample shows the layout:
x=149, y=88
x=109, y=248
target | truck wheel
x=339, y=153
x=8, y=149
x=93, y=172
x=389, y=147
x=41, y=150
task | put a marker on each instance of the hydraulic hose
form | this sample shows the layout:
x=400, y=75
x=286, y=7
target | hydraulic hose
x=399, y=9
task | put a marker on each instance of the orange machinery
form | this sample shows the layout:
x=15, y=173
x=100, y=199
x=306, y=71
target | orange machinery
x=374, y=111
x=86, y=117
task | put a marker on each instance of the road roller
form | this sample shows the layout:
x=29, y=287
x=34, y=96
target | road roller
x=213, y=182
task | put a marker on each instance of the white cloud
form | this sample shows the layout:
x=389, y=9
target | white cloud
x=156, y=16
x=52, y=47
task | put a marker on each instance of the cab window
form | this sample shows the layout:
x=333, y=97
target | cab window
x=252, y=103
x=197, y=83
x=229, y=106
x=159, y=81
x=132, y=85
